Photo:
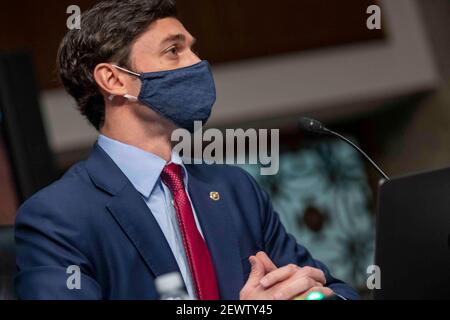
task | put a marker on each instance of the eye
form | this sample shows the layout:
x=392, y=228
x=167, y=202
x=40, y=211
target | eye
x=173, y=51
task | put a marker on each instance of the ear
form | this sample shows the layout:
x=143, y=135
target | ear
x=112, y=81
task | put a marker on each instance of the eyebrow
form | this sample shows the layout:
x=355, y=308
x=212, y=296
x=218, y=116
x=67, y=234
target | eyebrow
x=176, y=38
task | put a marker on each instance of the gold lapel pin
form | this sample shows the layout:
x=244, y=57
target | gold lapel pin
x=214, y=195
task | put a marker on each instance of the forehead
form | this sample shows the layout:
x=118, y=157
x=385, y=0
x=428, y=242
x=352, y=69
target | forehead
x=159, y=31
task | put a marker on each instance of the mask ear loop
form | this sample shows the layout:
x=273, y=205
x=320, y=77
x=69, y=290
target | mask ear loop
x=126, y=70
x=130, y=97
x=126, y=96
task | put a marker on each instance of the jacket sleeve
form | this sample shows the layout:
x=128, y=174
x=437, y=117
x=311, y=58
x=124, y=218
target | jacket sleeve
x=49, y=262
x=283, y=248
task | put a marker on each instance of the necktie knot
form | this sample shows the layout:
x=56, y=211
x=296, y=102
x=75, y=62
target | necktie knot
x=172, y=177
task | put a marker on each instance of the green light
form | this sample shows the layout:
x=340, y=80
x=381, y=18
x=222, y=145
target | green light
x=315, y=296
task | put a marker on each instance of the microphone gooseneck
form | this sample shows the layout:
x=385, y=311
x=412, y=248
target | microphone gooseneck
x=315, y=126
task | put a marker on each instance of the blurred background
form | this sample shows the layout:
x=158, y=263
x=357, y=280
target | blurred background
x=273, y=61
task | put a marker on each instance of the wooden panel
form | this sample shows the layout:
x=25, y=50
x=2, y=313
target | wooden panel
x=228, y=30
x=236, y=29
x=35, y=27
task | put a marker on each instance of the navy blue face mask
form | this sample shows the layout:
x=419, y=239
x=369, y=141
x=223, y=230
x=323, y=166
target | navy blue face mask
x=182, y=95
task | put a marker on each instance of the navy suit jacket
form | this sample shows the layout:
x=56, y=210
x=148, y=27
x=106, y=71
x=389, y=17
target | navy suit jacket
x=94, y=218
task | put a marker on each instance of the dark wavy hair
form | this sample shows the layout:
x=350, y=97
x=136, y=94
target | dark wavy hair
x=107, y=33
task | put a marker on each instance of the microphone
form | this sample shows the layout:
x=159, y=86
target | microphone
x=315, y=126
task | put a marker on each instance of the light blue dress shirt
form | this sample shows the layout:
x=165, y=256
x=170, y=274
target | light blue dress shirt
x=143, y=170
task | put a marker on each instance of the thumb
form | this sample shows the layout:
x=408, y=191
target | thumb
x=257, y=272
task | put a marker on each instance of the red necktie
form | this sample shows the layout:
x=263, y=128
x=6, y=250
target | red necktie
x=199, y=259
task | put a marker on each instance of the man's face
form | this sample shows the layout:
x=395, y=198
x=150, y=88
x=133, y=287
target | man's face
x=166, y=45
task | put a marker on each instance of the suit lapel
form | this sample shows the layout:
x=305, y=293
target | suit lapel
x=219, y=232
x=132, y=214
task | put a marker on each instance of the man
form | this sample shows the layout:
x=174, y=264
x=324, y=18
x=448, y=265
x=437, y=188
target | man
x=133, y=211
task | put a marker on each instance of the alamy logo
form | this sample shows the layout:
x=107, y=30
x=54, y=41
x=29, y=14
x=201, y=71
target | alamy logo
x=374, y=279
x=374, y=20
x=233, y=143
x=74, y=279
x=74, y=20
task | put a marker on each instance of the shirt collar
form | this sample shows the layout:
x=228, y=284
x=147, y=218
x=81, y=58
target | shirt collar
x=142, y=168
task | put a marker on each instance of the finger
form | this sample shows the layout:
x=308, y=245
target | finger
x=318, y=284
x=257, y=272
x=314, y=273
x=294, y=288
x=278, y=275
x=267, y=262
x=327, y=292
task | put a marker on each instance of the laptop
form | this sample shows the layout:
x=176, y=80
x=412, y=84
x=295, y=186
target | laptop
x=412, y=246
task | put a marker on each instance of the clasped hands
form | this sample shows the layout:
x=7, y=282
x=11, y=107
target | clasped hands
x=268, y=282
